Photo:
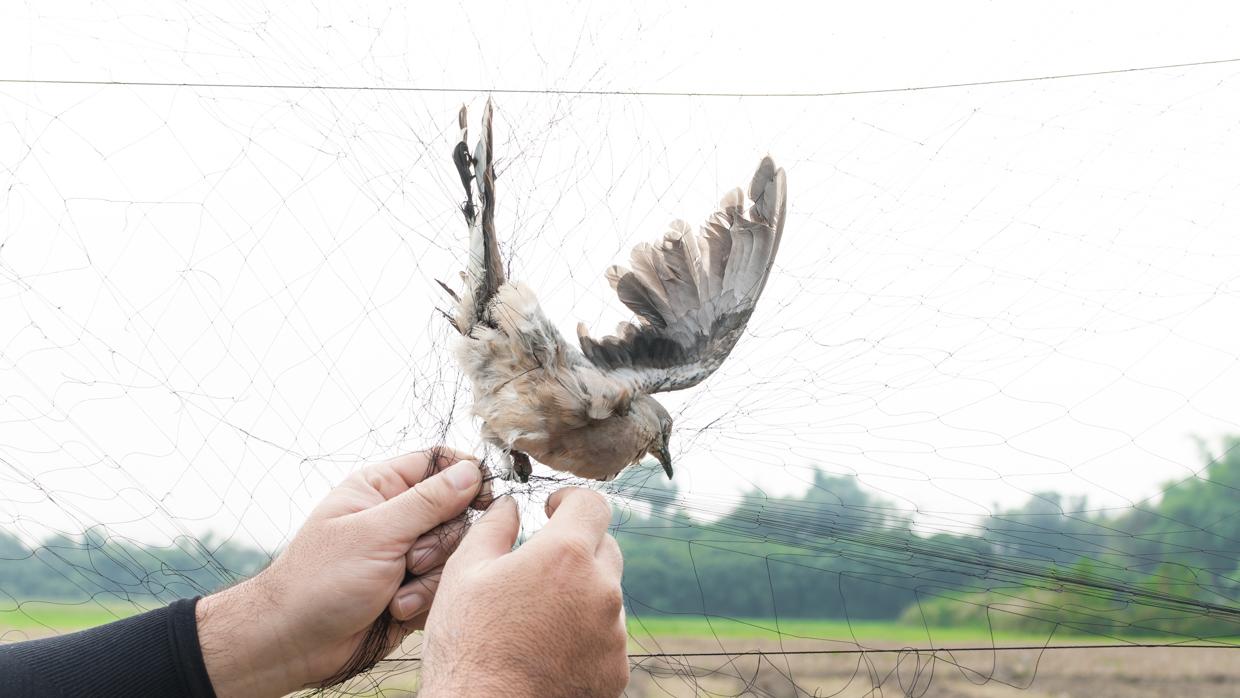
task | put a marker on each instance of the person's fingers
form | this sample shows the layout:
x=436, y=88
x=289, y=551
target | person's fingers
x=490, y=536
x=485, y=494
x=415, y=467
x=415, y=596
x=439, y=498
x=392, y=477
x=609, y=557
x=576, y=514
x=434, y=547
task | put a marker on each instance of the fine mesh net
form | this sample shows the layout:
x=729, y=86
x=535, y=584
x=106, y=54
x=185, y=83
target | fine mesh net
x=984, y=408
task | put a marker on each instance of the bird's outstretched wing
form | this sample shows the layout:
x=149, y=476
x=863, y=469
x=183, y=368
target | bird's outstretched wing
x=485, y=273
x=694, y=292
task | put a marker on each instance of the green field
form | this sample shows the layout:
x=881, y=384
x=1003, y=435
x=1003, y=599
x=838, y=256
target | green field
x=877, y=633
x=41, y=618
x=44, y=618
x=867, y=631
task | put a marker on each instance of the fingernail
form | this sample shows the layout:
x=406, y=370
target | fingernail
x=463, y=475
x=420, y=554
x=425, y=545
x=553, y=502
x=410, y=604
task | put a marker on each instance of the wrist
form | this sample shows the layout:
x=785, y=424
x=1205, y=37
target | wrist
x=479, y=671
x=479, y=683
x=245, y=650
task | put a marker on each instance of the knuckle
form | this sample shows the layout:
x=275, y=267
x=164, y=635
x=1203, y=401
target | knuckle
x=596, y=503
x=359, y=477
x=430, y=494
x=576, y=550
x=376, y=475
x=612, y=600
x=613, y=549
x=374, y=480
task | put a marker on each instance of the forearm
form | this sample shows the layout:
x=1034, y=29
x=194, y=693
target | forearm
x=244, y=655
x=155, y=653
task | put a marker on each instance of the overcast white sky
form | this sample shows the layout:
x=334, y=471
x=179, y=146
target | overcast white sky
x=215, y=302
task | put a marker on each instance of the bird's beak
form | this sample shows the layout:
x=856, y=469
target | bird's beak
x=665, y=459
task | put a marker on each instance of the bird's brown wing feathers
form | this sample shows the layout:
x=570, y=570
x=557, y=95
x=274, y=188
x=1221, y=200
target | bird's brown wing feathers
x=485, y=273
x=694, y=292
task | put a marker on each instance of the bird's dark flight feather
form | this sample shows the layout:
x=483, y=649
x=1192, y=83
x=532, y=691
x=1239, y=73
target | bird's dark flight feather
x=694, y=292
x=485, y=271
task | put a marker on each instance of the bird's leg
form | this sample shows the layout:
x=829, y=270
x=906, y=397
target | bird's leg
x=521, y=466
x=518, y=466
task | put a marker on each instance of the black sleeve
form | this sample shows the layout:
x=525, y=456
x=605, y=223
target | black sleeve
x=152, y=654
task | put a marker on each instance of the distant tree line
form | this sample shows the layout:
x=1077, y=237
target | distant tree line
x=99, y=565
x=1168, y=565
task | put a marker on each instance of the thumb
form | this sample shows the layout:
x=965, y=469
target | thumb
x=490, y=536
x=439, y=498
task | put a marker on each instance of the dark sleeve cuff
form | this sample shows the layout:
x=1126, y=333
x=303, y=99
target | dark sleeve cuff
x=152, y=654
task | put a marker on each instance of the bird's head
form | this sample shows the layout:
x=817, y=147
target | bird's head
x=658, y=424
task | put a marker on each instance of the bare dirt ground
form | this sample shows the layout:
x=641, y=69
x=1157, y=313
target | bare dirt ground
x=1055, y=673
x=1059, y=673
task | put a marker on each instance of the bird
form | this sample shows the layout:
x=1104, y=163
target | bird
x=588, y=409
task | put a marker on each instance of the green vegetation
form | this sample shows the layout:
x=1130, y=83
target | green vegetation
x=101, y=566
x=1165, y=568
x=876, y=632
x=836, y=562
x=38, y=617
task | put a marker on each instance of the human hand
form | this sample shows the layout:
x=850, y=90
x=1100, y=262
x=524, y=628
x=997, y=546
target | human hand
x=544, y=620
x=301, y=620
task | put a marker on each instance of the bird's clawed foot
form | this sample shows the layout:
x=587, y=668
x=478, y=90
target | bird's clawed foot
x=521, y=466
